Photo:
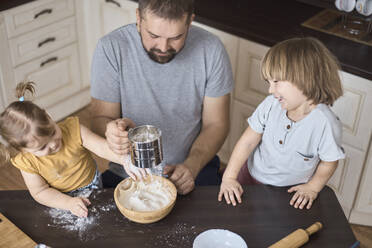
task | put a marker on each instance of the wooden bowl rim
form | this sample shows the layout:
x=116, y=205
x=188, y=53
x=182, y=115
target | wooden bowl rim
x=169, y=205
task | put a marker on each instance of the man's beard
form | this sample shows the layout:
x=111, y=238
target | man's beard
x=167, y=56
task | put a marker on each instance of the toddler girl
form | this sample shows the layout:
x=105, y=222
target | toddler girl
x=53, y=158
x=293, y=137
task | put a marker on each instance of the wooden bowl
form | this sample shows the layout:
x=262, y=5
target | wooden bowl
x=146, y=216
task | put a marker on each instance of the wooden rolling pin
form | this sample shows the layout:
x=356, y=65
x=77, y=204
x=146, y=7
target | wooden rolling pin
x=298, y=237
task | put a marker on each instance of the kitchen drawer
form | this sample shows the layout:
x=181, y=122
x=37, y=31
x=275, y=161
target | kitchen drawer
x=42, y=41
x=56, y=75
x=36, y=14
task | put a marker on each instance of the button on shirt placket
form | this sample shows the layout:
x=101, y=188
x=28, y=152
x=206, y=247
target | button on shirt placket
x=287, y=129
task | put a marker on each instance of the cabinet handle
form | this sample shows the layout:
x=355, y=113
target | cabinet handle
x=50, y=39
x=48, y=61
x=114, y=2
x=45, y=11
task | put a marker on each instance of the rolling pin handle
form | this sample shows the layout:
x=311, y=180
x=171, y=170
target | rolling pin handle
x=314, y=228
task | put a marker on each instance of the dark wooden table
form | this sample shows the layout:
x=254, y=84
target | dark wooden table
x=263, y=218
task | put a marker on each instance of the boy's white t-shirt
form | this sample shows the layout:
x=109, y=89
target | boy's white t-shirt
x=289, y=152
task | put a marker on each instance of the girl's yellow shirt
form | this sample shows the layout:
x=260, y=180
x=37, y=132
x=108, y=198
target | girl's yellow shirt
x=72, y=167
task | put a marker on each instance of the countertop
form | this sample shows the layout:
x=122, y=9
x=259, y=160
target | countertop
x=8, y=4
x=263, y=217
x=271, y=21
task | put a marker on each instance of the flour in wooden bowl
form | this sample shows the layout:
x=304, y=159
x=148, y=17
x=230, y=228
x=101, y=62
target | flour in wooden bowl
x=145, y=201
x=144, y=195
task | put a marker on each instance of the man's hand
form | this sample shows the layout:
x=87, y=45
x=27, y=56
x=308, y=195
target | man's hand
x=181, y=176
x=305, y=194
x=117, y=135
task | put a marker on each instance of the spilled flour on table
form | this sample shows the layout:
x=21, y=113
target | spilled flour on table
x=181, y=235
x=80, y=225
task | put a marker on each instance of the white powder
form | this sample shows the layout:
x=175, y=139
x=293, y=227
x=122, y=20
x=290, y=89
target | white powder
x=134, y=169
x=145, y=137
x=66, y=220
x=144, y=195
x=180, y=235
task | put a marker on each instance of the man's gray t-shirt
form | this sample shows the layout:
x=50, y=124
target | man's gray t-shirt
x=169, y=96
x=289, y=152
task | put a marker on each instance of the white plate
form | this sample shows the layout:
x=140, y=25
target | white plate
x=218, y=238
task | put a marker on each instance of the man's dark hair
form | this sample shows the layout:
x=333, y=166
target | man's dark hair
x=167, y=9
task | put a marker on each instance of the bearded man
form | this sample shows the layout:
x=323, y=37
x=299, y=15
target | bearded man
x=162, y=71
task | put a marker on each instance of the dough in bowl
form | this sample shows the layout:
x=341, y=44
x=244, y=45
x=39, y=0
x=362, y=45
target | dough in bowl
x=144, y=195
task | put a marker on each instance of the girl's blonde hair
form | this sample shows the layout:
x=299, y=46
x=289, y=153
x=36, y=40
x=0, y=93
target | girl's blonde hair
x=306, y=63
x=20, y=119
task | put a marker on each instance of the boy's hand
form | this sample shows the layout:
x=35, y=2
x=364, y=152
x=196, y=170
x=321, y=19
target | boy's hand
x=78, y=206
x=305, y=194
x=230, y=189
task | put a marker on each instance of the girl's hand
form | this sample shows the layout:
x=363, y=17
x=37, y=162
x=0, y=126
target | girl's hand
x=230, y=189
x=78, y=206
x=304, y=195
x=134, y=172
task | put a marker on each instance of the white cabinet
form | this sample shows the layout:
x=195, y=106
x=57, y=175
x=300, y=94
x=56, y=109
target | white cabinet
x=2, y=96
x=97, y=18
x=56, y=75
x=250, y=89
x=362, y=211
x=354, y=109
x=39, y=43
x=32, y=16
x=345, y=180
x=116, y=13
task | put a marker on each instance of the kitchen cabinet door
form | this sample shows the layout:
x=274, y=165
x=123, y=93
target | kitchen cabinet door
x=97, y=18
x=57, y=76
x=250, y=88
x=2, y=96
x=354, y=109
x=362, y=211
x=345, y=180
x=240, y=114
x=36, y=14
x=6, y=69
x=34, y=44
x=116, y=13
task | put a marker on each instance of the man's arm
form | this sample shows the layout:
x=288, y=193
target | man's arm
x=106, y=122
x=215, y=127
x=103, y=112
